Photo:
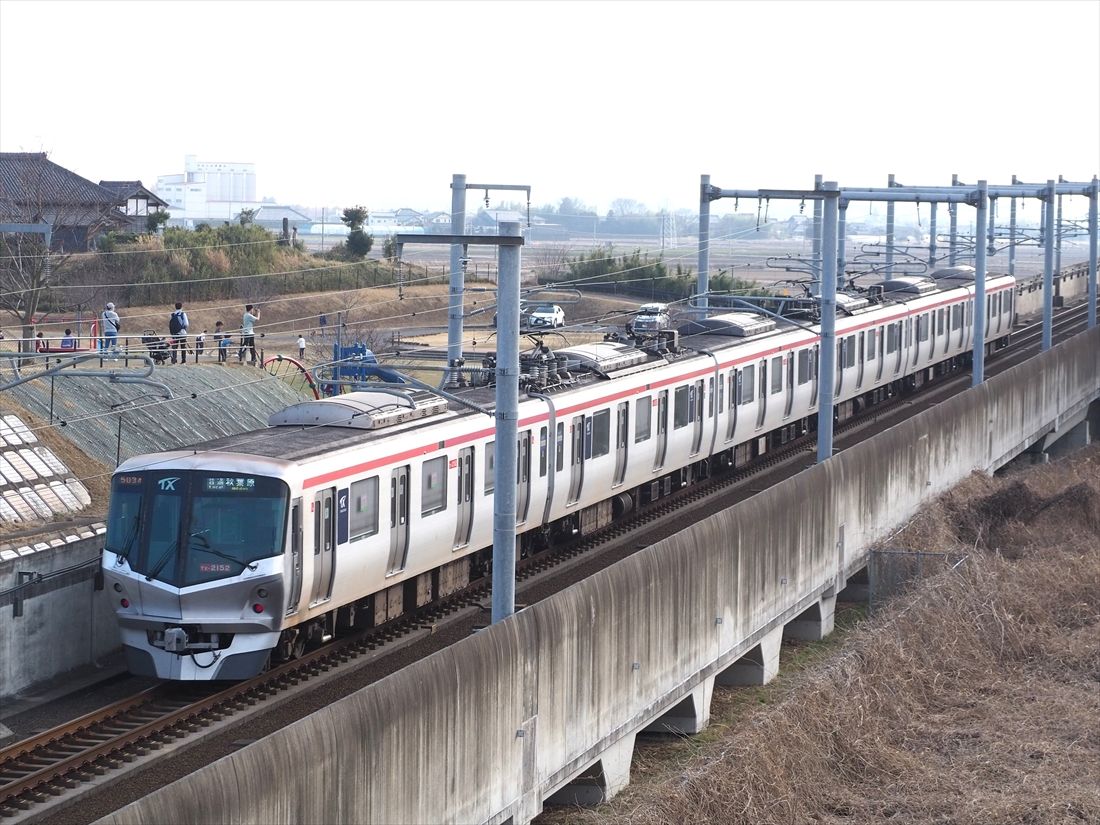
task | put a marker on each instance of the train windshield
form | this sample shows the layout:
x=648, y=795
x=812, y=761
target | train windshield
x=190, y=527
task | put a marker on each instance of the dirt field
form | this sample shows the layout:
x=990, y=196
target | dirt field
x=973, y=698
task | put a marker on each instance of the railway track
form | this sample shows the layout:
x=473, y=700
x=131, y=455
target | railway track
x=46, y=766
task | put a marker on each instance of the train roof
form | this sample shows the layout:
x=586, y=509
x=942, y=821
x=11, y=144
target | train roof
x=313, y=428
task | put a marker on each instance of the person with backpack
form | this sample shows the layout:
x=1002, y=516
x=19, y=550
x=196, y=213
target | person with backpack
x=110, y=325
x=177, y=327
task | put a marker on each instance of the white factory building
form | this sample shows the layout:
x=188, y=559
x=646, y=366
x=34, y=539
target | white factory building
x=208, y=191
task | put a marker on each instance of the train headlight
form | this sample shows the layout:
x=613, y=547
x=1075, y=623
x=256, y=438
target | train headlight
x=118, y=587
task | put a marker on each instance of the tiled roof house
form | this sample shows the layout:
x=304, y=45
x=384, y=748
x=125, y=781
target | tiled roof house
x=34, y=189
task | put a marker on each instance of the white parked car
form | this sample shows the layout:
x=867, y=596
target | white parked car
x=547, y=315
x=650, y=318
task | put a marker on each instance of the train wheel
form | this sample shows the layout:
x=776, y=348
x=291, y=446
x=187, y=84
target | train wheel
x=294, y=374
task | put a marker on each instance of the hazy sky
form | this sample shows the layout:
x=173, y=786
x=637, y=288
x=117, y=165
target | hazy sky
x=380, y=103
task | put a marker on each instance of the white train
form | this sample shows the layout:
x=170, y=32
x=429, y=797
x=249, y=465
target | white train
x=350, y=511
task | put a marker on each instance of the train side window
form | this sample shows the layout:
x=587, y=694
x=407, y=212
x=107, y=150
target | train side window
x=850, y=353
x=748, y=384
x=721, y=394
x=543, y=447
x=803, y=366
x=940, y=321
x=777, y=374
x=956, y=317
x=490, y=465
x=559, y=460
x=433, y=486
x=601, y=433
x=892, y=338
x=922, y=328
x=681, y=414
x=872, y=336
x=710, y=398
x=643, y=412
x=364, y=508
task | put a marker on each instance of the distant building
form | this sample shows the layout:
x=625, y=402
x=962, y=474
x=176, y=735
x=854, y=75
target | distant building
x=210, y=191
x=135, y=202
x=34, y=189
x=270, y=216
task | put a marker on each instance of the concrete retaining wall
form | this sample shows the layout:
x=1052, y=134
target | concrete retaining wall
x=65, y=621
x=487, y=729
x=1071, y=286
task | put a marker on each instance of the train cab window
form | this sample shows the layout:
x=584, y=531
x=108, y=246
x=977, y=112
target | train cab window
x=777, y=374
x=748, y=384
x=601, y=433
x=803, y=366
x=490, y=465
x=543, y=448
x=643, y=411
x=363, y=519
x=559, y=448
x=872, y=336
x=433, y=486
x=681, y=413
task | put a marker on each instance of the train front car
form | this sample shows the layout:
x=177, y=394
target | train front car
x=195, y=561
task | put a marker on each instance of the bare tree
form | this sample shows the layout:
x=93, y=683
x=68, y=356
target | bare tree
x=549, y=261
x=35, y=191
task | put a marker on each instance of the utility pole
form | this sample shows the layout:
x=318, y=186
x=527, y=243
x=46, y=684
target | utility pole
x=506, y=411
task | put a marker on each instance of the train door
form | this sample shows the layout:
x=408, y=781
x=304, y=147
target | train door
x=880, y=353
x=465, y=496
x=734, y=401
x=791, y=357
x=295, y=593
x=814, y=373
x=622, y=425
x=662, y=429
x=860, y=357
x=324, y=545
x=696, y=413
x=399, y=519
x=576, y=472
x=841, y=352
x=523, y=476
x=762, y=396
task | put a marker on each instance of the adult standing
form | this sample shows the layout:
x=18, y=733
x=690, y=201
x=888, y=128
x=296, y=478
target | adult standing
x=177, y=327
x=248, y=331
x=110, y=325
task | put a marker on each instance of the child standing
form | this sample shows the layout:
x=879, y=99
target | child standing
x=301, y=347
x=200, y=344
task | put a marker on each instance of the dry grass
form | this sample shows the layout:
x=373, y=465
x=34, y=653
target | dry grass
x=974, y=698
